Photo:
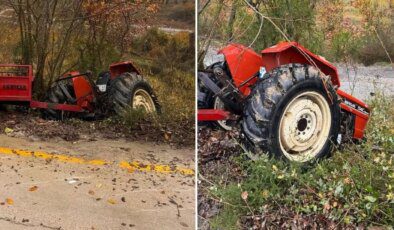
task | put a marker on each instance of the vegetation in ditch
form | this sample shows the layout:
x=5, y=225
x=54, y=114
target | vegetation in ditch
x=353, y=188
x=168, y=62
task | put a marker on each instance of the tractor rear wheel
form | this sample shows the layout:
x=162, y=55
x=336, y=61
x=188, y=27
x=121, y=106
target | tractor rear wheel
x=130, y=90
x=61, y=92
x=294, y=114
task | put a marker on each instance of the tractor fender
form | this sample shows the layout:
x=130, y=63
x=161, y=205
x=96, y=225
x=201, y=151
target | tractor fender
x=118, y=68
x=292, y=52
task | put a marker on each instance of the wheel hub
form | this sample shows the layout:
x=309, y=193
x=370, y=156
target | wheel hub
x=304, y=126
x=142, y=99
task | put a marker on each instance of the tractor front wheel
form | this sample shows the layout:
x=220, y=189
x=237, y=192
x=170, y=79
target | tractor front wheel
x=294, y=114
x=61, y=92
x=130, y=90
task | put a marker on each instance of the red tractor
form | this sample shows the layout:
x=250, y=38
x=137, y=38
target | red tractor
x=286, y=99
x=77, y=95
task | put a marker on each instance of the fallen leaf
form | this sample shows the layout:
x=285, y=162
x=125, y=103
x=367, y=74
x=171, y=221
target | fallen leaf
x=111, y=201
x=8, y=130
x=274, y=168
x=370, y=198
x=32, y=189
x=167, y=136
x=327, y=206
x=244, y=195
x=265, y=193
x=9, y=201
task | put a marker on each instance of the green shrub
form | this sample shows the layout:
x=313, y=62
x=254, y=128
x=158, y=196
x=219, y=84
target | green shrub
x=343, y=46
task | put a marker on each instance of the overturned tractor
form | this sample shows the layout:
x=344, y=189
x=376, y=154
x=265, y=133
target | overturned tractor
x=77, y=95
x=287, y=101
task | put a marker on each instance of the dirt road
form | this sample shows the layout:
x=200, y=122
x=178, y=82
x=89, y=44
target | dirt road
x=365, y=81
x=95, y=184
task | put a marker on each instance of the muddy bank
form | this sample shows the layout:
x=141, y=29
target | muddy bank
x=30, y=125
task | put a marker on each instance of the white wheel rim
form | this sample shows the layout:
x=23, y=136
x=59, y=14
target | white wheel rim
x=218, y=104
x=142, y=99
x=305, y=126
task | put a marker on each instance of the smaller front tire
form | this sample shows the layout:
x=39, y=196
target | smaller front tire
x=226, y=125
x=61, y=92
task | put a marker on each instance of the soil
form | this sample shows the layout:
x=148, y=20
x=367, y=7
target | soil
x=42, y=193
x=30, y=125
x=215, y=148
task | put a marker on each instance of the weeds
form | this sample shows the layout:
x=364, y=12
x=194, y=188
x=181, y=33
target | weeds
x=168, y=63
x=132, y=117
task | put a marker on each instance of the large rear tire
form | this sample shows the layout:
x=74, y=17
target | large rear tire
x=294, y=114
x=130, y=90
x=61, y=92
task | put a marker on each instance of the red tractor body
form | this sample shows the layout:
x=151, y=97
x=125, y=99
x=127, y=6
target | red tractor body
x=244, y=64
x=16, y=83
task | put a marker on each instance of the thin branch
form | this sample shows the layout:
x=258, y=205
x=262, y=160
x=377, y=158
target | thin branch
x=384, y=47
x=203, y=7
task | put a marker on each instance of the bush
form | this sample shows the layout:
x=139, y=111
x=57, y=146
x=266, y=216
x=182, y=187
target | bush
x=372, y=50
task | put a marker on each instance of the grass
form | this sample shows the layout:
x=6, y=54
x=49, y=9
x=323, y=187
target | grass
x=167, y=61
x=355, y=187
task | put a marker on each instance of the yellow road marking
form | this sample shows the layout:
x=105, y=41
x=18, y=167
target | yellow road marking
x=130, y=166
x=135, y=165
